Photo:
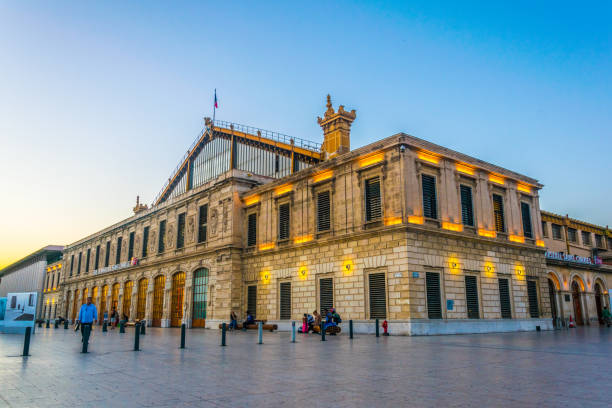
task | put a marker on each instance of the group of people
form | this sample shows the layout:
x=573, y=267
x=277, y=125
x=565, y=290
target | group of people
x=315, y=321
x=250, y=319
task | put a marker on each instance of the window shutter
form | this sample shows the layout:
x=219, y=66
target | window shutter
x=202, y=223
x=252, y=230
x=471, y=297
x=180, y=233
x=373, y=205
x=162, y=233
x=88, y=258
x=145, y=242
x=556, y=231
x=252, y=300
x=526, y=215
x=544, y=229
x=79, y=269
x=283, y=221
x=378, y=297
x=532, y=294
x=498, y=213
x=323, y=211
x=430, y=207
x=434, y=305
x=504, y=299
x=118, y=252
x=285, y=300
x=467, y=210
x=571, y=235
x=586, y=238
x=107, y=254
x=326, y=293
x=130, y=246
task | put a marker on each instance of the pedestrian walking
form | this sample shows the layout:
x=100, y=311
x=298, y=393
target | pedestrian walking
x=88, y=315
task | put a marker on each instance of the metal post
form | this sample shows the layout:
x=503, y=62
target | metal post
x=121, y=327
x=40, y=323
x=137, y=337
x=104, y=327
x=260, y=330
x=26, y=342
x=322, y=331
x=143, y=324
x=377, y=329
x=183, y=335
x=66, y=324
x=47, y=325
x=86, y=332
x=293, y=332
x=56, y=324
x=223, y=329
x=350, y=329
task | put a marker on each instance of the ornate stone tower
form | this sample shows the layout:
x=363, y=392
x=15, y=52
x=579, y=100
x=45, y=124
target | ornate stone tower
x=336, y=130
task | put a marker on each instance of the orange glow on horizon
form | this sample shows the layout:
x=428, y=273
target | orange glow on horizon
x=428, y=157
x=322, y=176
x=393, y=220
x=517, y=238
x=371, y=159
x=497, y=179
x=416, y=219
x=283, y=189
x=465, y=169
x=486, y=233
x=452, y=226
x=254, y=199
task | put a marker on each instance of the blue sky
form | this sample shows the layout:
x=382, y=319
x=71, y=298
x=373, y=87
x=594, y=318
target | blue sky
x=99, y=101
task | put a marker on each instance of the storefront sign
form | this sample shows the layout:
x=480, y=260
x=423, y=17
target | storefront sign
x=560, y=256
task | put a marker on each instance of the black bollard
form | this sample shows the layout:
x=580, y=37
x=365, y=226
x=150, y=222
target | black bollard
x=47, y=325
x=223, y=328
x=40, y=323
x=143, y=324
x=322, y=332
x=121, y=328
x=183, y=335
x=86, y=333
x=350, y=329
x=66, y=324
x=137, y=337
x=26, y=342
x=56, y=323
x=377, y=329
x=104, y=327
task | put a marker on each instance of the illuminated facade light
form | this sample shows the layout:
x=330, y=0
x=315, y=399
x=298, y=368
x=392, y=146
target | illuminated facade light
x=303, y=273
x=523, y=188
x=265, y=247
x=497, y=179
x=452, y=226
x=303, y=238
x=416, y=219
x=486, y=233
x=517, y=238
x=254, y=199
x=265, y=276
x=326, y=175
x=371, y=159
x=428, y=157
x=347, y=267
x=540, y=243
x=465, y=169
x=393, y=220
x=283, y=189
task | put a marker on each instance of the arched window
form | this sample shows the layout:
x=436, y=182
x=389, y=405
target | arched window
x=200, y=297
x=178, y=297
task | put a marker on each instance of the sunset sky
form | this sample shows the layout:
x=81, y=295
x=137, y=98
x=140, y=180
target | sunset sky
x=99, y=101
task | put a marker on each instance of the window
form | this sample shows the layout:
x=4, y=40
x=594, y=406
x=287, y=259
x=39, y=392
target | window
x=556, y=231
x=285, y=300
x=526, y=216
x=283, y=221
x=71, y=263
x=378, y=296
x=372, y=199
x=609, y=243
x=252, y=300
x=323, y=211
x=202, y=223
x=430, y=206
x=467, y=209
x=572, y=235
x=87, y=259
x=504, y=299
x=599, y=241
x=498, y=213
x=471, y=297
x=434, y=304
x=326, y=294
x=544, y=229
x=118, y=252
x=532, y=294
x=47, y=284
x=145, y=242
x=131, y=246
x=252, y=230
x=586, y=238
x=162, y=233
x=97, y=259
x=79, y=268
x=180, y=233
x=107, y=254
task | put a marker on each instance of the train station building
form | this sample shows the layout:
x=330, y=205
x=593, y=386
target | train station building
x=432, y=240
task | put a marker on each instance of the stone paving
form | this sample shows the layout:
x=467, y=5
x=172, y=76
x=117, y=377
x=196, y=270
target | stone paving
x=545, y=369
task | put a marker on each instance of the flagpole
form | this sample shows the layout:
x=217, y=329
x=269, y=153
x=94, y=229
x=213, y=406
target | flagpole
x=214, y=106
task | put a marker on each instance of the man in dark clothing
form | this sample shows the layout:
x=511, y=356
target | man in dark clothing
x=249, y=320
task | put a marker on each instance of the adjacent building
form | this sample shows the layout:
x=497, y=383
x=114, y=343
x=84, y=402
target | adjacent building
x=51, y=292
x=579, y=263
x=432, y=240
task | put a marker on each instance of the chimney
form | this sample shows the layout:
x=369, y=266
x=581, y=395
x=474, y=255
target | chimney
x=139, y=207
x=336, y=130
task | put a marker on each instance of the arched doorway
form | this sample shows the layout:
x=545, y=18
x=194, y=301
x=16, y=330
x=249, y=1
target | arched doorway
x=85, y=292
x=115, y=297
x=141, y=305
x=103, y=304
x=67, y=301
x=127, y=298
x=75, y=304
x=200, y=297
x=577, y=305
x=178, y=297
x=598, y=303
x=94, y=300
x=552, y=292
x=158, y=300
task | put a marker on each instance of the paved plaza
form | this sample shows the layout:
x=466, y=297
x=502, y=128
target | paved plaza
x=556, y=369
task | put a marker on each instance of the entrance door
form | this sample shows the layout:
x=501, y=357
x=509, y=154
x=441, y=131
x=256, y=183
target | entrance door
x=577, y=306
x=115, y=298
x=178, y=297
x=158, y=300
x=598, y=303
x=103, y=304
x=141, y=304
x=200, y=297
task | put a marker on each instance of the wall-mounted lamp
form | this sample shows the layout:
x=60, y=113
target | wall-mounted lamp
x=489, y=268
x=454, y=265
x=348, y=266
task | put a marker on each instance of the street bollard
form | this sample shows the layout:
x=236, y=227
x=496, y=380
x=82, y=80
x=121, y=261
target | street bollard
x=293, y=332
x=40, y=323
x=143, y=324
x=86, y=333
x=26, y=342
x=322, y=331
x=66, y=324
x=223, y=329
x=183, y=335
x=377, y=329
x=137, y=337
x=121, y=327
x=260, y=331
x=47, y=325
x=350, y=329
x=56, y=324
x=104, y=327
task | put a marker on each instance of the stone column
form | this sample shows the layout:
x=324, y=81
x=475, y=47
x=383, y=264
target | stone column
x=514, y=224
x=167, y=309
x=149, y=302
x=450, y=208
x=412, y=194
x=484, y=206
x=188, y=298
x=134, y=303
x=537, y=218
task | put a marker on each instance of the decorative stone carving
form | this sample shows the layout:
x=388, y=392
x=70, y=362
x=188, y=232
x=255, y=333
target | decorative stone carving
x=152, y=241
x=170, y=236
x=124, y=246
x=214, y=218
x=225, y=216
x=137, y=244
x=190, y=229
